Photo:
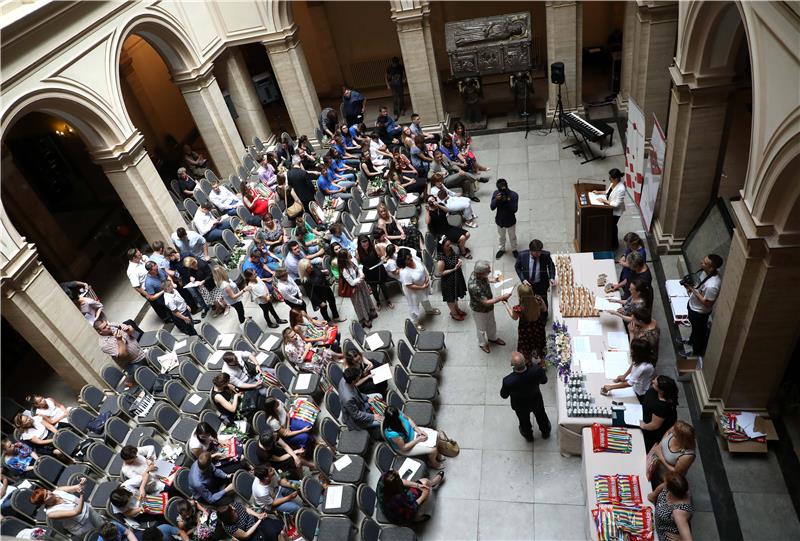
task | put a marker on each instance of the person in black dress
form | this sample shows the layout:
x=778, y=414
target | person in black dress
x=374, y=271
x=659, y=410
x=315, y=284
x=436, y=218
x=454, y=286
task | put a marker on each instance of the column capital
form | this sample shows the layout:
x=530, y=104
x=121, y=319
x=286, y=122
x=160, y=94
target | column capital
x=120, y=157
x=714, y=86
x=282, y=40
x=20, y=269
x=409, y=16
x=657, y=11
x=195, y=80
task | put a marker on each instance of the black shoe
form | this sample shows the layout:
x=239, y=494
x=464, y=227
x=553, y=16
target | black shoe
x=282, y=321
x=515, y=253
x=483, y=180
x=499, y=254
x=195, y=321
x=204, y=313
x=686, y=355
x=527, y=435
x=546, y=434
x=272, y=325
x=473, y=198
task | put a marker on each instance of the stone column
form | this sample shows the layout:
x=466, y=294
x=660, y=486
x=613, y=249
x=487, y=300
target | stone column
x=140, y=187
x=416, y=44
x=564, y=44
x=252, y=122
x=656, y=32
x=694, y=137
x=755, y=322
x=213, y=119
x=34, y=305
x=628, y=41
x=290, y=68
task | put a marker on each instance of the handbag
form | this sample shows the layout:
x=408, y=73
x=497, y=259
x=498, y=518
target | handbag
x=345, y=289
x=296, y=208
x=447, y=446
x=652, y=463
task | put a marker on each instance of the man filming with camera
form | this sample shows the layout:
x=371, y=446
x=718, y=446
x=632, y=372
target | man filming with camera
x=702, y=295
x=505, y=202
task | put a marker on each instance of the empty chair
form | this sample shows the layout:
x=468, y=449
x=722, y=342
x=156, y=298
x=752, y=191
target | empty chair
x=209, y=333
x=198, y=380
x=48, y=469
x=180, y=397
x=258, y=145
x=191, y=206
x=421, y=411
x=366, y=203
x=372, y=531
x=10, y=527
x=104, y=459
x=374, y=341
x=200, y=196
x=210, y=176
x=303, y=384
x=205, y=184
x=347, y=442
x=424, y=340
x=118, y=433
x=170, y=422
x=415, y=387
x=324, y=528
x=101, y=493
x=230, y=239
x=243, y=484
x=350, y=225
x=149, y=381
x=92, y=398
x=353, y=473
x=335, y=374
x=220, y=253
x=421, y=362
x=79, y=419
x=313, y=493
x=240, y=344
x=113, y=377
x=400, y=212
x=386, y=459
x=67, y=441
x=375, y=357
x=203, y=354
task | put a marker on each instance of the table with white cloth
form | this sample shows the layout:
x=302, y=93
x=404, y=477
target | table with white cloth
x=585, y=271
x=633, y=463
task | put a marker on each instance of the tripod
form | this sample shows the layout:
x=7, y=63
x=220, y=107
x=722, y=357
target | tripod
x=525, y=112
x=557, y=113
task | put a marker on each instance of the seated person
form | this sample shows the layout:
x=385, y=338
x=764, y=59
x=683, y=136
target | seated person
x=340, y=168
x=356, y=410
x=194, y=521
x=331, y=184
x=205, y=439
x=233, y=364
x=273, y=450
x=225, y=398
x=207, y=225
x=209, y=484
x=339, y=235
x=454, y=176
x=266, y=170
x=128, y=504
x=405, y=502
x=225, y=200
x=37, y=433
x=452, y=202
x=114, y=531
x=354, y=358
x=240, y=522
x=416, y=129
x=393, y=129
x=408, y=439
x=378, y=151
x=49, y=409
x=194, y=162
x=186, y=184
x=273, y=493
x=295, y=432
x=18, y=457
x=305, y=355
x=402, y=164
x=137, y=470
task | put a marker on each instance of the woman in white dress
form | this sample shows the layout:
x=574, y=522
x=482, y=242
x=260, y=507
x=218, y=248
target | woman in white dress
x=416, y=286
x=451, y=201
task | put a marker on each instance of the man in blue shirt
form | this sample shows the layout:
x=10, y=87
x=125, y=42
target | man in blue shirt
x=354, y=105
x=339, y=170
x=257, y=264
x=153, y=291
x=209, y=484
x=348, y=160
x=326, y=184
x=393, y=129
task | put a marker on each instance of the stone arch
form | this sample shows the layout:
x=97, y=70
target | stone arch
x=167, y=37
x=279, y=15
x=777, y=202
x=96, y=126
x=711, y=40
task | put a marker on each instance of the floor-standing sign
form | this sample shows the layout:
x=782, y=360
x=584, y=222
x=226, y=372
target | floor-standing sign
x=653, y=171
x=634, y=150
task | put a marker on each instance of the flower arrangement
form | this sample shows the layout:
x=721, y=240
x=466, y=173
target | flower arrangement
x=559, y=349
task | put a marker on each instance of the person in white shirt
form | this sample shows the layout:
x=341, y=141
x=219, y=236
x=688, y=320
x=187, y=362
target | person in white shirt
x=137, y=274
x=416, y=286
x=181, y=314
x=234, y=366
x=137, y=470
x=67, y=506
x=639, y=374
x=225, y=200
x=190, y=243
x=451, y=201
x=48, y=409
x=272, y=492
x=615, y=198
x=701, y=302
x=208, y=226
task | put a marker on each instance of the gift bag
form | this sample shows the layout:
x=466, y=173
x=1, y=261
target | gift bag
x=377, y=405
x=304, y=409
x=154, y=505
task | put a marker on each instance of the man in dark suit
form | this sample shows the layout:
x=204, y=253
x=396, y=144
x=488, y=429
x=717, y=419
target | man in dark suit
x=522, y=385
x=535, y=268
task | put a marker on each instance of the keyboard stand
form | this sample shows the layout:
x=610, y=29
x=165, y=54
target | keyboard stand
x=583, y=144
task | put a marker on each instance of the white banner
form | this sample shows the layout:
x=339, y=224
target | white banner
x=634, y=150
x=653, y=171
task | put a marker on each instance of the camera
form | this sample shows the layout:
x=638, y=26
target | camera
x=687, y=281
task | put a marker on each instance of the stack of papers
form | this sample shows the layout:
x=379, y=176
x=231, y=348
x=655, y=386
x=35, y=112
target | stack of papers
x=633, y=414
x=261, y=357
x=215, y=358
x=618, y=340
x=372, y=215
x=374, y=342
x=626, y=392
x=747, y=420
x=179, y=346
x=590, y=327
x=581, y=344
x=675, y=289
x=224, y=341
x=364, y=229
x=589, y=363
x=342, y=463
x=163, y=468
x=302, y=383
x=601, y=303
x=333, y=496
x=194, y=399
x=168, y=361
x=596, y=199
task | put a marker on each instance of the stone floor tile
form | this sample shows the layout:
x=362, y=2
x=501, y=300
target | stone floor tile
x=501, y=430
x=704, y=526
x=453, y=520
x=507, y=476
x=766, y=517
x=542, y=153
x=462, y=423
x=514, y=155
x=513, y=140
x=754, y=473
x=463, y=385
x=557, y=479
x=499, y=521
x=559, y=522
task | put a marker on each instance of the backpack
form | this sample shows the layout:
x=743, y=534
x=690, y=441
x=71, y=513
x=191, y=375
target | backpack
x=97, y=425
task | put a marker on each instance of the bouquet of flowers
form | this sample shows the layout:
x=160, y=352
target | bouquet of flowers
x=559, y=349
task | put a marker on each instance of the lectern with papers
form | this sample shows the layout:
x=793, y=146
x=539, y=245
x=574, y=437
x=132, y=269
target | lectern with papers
x=593, y=222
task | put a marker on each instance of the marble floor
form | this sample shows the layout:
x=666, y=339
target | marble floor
x=501, y=486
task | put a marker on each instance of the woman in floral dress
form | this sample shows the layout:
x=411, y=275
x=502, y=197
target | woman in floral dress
x=531, y=313
x=454, y=286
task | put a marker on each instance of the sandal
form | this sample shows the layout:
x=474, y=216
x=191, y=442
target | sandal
x=391, y=306
x=499, y=342
x=485, y=349
x=434, y=312
x=457, y=317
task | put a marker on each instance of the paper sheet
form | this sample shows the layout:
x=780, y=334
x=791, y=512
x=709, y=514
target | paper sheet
x=601, y=303
x=616, y=363
x=225, y=340
x=179, y=345
x=215, y=358
x=596, y=199
x=581, y=344
x=168, y=361
x=268, y=343
x=589, y=363
x=381, y=373
x=498, y=285
x=433, y=438
x=371, y=215
x=163, y=468
x=507, y=291
x=333, y=496
x=408, y=468
x=364, y=229
x=373, y=201
x=747, y=420
x=633, y=414
x=627, y=392
x=303, y=381
x=195, y=399
x=261, y=357
x=590, y=327
x=675, y=289
x=342, y=463
x=196, y=283
x=618, y=340
x=374, y=341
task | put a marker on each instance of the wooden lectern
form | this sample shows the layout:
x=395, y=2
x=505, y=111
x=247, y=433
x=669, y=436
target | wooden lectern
x=592, y=222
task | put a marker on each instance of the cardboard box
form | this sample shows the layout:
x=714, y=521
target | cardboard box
x=762, y=424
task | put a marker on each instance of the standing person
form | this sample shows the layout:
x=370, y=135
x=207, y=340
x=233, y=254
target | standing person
x=639, y=374
x=453, y=285
x=261, y=295
x=327, y=123
x=674, y=509
x=436, y=219
x=535, y=268
x=352, y=284
x=181, y=314
x=416, y=286
x=615, y=198
x=659, y=409
x=482, y=305
x=395, y=77
x=522, y=385
x=318, y=291
x=288, y=289
x=354, y=104
x=374, y=271
x=230, y=291
x=531, y=312
x=299, y=181
x=154, y=292
x=118, y=342
x=137, y=276
x=190, y=244
x=701, y=302
x=505, y=203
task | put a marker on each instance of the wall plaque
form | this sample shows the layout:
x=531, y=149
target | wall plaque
x=496, y=44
